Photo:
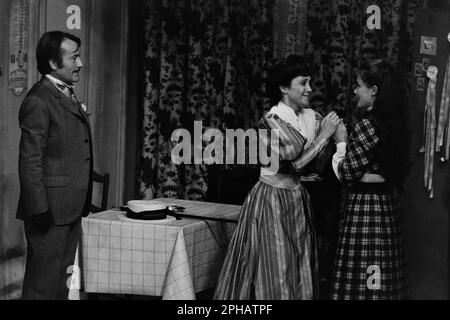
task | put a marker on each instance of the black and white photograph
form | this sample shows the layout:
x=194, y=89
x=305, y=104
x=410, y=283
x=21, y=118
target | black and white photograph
x=215, y=151
x=420, y=86
x=425, y=64
x=419, y=69
x=429, y=46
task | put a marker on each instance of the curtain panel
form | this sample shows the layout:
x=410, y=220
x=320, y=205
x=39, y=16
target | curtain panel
x=338, y=39
x=205, y=61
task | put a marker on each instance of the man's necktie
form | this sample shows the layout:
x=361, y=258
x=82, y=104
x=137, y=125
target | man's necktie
x=68, y=91
x=72, y=94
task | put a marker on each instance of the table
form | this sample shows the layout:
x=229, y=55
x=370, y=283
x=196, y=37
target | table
x=173, y=259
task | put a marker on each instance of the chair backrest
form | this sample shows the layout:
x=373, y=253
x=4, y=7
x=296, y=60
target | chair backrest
x=102, y=179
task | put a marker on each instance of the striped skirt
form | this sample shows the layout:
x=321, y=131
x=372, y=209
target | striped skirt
x=369, y=261
x=272, y=253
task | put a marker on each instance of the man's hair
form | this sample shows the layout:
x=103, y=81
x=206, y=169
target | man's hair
x=49, y=48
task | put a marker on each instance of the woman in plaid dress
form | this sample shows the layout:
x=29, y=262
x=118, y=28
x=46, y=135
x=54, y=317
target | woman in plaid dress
x=272, y=253
x=372, y=164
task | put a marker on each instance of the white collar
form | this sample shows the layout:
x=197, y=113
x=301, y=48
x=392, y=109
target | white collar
x=285, y=108
x=286, y=114
x=57, y=81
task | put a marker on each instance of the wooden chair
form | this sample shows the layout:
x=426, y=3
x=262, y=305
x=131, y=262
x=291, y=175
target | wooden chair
x=101, y=179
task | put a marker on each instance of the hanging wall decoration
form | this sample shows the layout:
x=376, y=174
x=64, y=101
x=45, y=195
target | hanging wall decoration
x=425, y=64
x=429, y=133
x=18, y=47
x=428, y=45
x=420, y=84
x=418, y=69
x=443, y=133
x=289, y=27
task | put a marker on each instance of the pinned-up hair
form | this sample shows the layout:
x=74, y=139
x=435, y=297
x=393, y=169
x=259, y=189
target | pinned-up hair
x=282, y=73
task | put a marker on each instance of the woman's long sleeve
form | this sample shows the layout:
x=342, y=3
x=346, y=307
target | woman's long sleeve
x=359, y=154
x=316, y=152
x=310, y=153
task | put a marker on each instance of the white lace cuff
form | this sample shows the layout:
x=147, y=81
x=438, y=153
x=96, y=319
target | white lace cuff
x=341, y=149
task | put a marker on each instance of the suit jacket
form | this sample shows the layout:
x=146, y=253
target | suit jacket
x=55, y=156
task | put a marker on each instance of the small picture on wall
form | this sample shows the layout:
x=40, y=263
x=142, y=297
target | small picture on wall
x=420, y=84
x=418, y=69
x=426, y=63
x=428, y=45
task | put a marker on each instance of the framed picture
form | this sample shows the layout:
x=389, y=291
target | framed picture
x=428, y=45
x=420, y=84
x=418, y=69
x=426, y=63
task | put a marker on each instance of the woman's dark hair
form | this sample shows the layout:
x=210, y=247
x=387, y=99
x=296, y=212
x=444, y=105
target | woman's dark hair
x=389, y=115
x=49, y=48
x=282, y=73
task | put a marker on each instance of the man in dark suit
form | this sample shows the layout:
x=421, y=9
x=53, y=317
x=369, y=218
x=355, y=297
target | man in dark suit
x=55, y=168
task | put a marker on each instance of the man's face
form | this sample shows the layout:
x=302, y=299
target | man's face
x=69, y=70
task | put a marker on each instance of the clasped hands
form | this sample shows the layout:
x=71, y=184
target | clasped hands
x=334, y=126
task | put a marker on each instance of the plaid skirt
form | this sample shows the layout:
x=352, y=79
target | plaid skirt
x=369, y=262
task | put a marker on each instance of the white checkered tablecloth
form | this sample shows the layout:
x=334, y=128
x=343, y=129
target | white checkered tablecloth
x=173, y=259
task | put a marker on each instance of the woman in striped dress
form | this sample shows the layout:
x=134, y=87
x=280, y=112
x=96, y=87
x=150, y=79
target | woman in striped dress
x=369, y=259
x=272, y=253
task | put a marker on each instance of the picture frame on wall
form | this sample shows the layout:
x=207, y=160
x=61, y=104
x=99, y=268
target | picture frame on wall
x=426, y=63
x=428, y=45
x=418, y=69
x=420, y=84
